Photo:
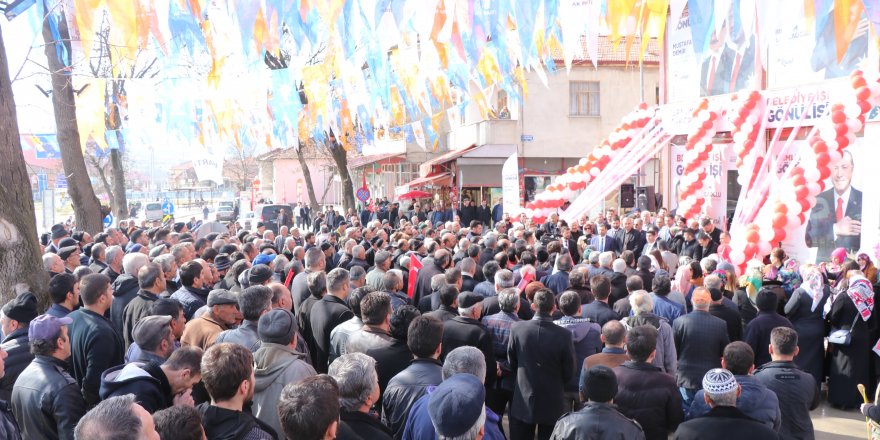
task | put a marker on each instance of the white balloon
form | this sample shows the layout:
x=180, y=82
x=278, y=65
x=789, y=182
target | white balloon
x=764, y=248
x=594, y=171
x=794, y=208
x=853, y=125
x=852, y=109
x=811, y=174
x=766, y=233
x=752, y=118
x=747, y=128
x=739, y=137
x=851, y=136
x=835, y=156
x=737, y=257
x=583, y=161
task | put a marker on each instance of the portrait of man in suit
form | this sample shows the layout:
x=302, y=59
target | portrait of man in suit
x=603, y=241
x=836, y=220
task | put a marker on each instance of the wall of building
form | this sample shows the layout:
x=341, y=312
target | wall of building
x=289, y=185
x=545, y=114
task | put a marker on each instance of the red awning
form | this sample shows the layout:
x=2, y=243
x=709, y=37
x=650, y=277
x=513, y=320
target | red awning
x=439, y=179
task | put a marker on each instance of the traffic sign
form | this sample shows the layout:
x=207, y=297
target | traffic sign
x=527, y=138
x=61, y=182
x=108, y=220
x=43, y=181
x=363, y=194
x=167, y=207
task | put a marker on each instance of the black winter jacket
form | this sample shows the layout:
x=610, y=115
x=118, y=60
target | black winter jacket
x=125, y=289
x=797, y=392
x=146, y=381
x=95, y=347
x=597, y=421
x=405, y=388
x=46, y=400
x=224, y=424
x=18, y=357
x=649, y=396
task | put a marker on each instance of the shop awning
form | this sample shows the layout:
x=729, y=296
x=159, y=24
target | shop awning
x=361, y=161
x=438, y=179
x=452, y=155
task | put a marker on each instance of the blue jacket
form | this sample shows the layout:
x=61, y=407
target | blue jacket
x=497, y=213
x=419, y=427
x=756, y=401
x=667, y=308
x=558, y=282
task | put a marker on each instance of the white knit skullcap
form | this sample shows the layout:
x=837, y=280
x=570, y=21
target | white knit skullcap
x=719, y=381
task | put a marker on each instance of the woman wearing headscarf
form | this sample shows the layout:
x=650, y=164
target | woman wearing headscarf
x=777, y=259
x=790, y=276
x=867, y=267
x=804, y=310
x=850, y=363
x=745, y=296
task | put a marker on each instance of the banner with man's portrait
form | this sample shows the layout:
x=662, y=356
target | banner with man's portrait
x=847, y=212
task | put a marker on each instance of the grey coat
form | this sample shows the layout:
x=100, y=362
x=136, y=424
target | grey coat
x=276, y=366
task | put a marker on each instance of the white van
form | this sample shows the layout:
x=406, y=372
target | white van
x=153, y=211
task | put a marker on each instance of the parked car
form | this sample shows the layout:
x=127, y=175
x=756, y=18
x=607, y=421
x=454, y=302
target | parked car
x=247, y=221
x=268, y=214
x=153, y=212
x=225, y=211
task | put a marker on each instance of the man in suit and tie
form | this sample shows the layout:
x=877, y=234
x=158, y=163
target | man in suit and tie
x=836, y=220
x=630, y=238
x=602, y=241
x=652, y=242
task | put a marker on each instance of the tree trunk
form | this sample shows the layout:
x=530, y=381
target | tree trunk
x=20, y=261
x=86, y=207
x=120, y=203
x=341, y=159
x=307, y=175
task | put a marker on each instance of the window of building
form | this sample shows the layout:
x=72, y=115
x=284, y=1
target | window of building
x=583, y=98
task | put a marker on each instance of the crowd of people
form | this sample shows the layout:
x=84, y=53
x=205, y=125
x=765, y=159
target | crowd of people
x=433, y=323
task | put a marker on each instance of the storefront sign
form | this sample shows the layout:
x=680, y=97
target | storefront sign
x=510, y=184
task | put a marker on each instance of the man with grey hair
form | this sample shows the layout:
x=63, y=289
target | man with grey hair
x=114, y=267
x=53, y=264
x=461, y=361
x=355, y=373
x=605, y=261
x=382, y=261
x=720, y=309
x=558, y=281
x=499, y=325
x=642, y=304
x=392, y=284
x=357, y=277
x=299, y=288
x=328, y=313
x=724, y=420
x=117, y=418
x=253, y=302
x=169, y=266
x=504, y=279
x=466, y=329
x=126, y=287
x=152, y=283
x=99, y=257
x=358, y=258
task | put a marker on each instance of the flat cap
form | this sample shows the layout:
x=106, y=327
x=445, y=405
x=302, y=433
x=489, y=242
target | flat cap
x=457, y=404
x=468, y=299
x=219, y=297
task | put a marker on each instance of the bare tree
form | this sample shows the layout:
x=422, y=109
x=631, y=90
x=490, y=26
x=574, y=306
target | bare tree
x=86, y=207
x=242, y=166
x=20, y=263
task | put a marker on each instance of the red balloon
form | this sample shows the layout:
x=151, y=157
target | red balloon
x=751, y=250
x=865, y=106
x=802, y=218
x=837, y=107
x=858, y=81
x=779, y=219
x=752, y=236
x=820, y=147
x=797, y=171
x=805, y=206
x=863, y=92
x=824, y=173
x=778, y=234
x=752, y=226
x=838, y=117
x=798, y=180
x=801, y=192
x=842, y=142
x=841, y=129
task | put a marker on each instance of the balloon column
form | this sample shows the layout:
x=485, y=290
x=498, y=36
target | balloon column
x=746, y=128
x=699, y=145
x=794, y=195
x=579, y=176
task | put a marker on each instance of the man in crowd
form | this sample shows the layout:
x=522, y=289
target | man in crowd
x=599, y=311
x=222, y=314
x=228, y=375
x=14, y=321
x=310, y=408
x=156, y=386
x=64, y=292
x=424, y=336
x=191, y=293
x=599, y=418
x=253, y=303
x=466, y=329
x=328, y=313
x=645, y=393
x=152, y=282
x=117, y=418
x=542, y=356
x=95, y=346
x=46, y=400
x=724, y=420
x=277, y=363
x=796, y=390
x=700, y=339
